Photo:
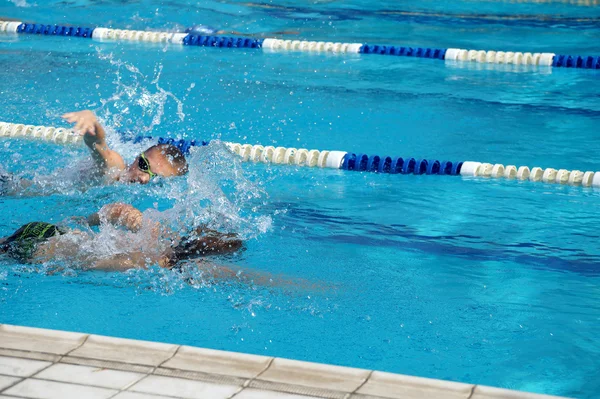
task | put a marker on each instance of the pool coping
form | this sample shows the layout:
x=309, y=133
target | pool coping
x=241, y=370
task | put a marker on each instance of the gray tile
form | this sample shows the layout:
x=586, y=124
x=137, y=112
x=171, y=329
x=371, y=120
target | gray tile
x=137, y=395
x=200, y=376
x=294, y=372
x=107, y=364
x=86, y=375
x=181, y=388
x=6, y=381
x=388, y=385
x=47, y=357
x=262, y=394
x=302, y=390
x=20, y=367
x=125, y=350
x=41, y=389
x=218, y=362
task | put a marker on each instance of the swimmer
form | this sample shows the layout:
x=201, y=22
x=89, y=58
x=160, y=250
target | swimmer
x=40, y=242
x=163, y=160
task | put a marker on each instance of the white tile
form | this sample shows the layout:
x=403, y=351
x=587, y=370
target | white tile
x=315, y=375
x=260, y=394
x=125, y=350
x=41, y=389
x=182, y=388
x=39, y=340
x=398, y=386
x=218, y=362
x=137, y=395
x=86, y=375
x=20, y=367
x=7, y=381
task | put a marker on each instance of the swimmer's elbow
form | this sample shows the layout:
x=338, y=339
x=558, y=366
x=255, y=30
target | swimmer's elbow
x=108, y=161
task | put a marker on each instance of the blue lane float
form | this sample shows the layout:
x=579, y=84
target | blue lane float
x=221, y=41
x=399, y=165
x=55, y=30
x=271, y=44
x=576, y=61
x=437, y=53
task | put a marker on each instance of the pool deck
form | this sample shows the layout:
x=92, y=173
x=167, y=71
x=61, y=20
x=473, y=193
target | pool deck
x=38, y=363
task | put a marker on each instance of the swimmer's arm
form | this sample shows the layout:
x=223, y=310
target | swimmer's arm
x=94, y=137
x=253, y=277
x=123, y=262
x=127, y=216
x=116, y=263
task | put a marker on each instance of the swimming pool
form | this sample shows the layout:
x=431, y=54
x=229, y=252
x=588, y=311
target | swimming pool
x=485, y=281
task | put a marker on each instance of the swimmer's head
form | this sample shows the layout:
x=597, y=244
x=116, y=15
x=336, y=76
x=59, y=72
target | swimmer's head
x=204, y=242
x=160, y=160
x=201, y=242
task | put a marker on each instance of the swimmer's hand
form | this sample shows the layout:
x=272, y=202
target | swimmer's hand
x=86, y=124
x=94, y=137
x=120, y=214
x=125, y=215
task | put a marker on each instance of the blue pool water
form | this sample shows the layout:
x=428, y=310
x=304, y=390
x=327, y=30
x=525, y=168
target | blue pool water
x=473, y=280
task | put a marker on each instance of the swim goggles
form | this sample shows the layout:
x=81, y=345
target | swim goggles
x=144, y=165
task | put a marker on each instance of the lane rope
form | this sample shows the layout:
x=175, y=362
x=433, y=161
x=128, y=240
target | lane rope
x=334, y=159
x=278, y=45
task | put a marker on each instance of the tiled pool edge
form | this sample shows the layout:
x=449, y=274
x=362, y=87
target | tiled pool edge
x=234, y=369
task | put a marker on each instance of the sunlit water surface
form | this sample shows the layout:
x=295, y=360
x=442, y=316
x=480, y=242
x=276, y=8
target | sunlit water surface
x=473, y=280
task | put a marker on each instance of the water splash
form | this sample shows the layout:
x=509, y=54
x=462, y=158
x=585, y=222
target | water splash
x=60, y=171
x=137, y=94
x=20, y=3
x=219, y=193
x=216, y=193
x=137, y=106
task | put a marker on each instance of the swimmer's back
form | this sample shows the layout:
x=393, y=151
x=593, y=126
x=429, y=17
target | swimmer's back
x=22, y=244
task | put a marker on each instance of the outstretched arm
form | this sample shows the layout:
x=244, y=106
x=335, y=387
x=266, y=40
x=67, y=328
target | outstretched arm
x=222, y=273
x=123, y=262
x=94, y=137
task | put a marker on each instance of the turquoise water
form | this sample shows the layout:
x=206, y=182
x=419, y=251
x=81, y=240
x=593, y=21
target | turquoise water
x=473, y=280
